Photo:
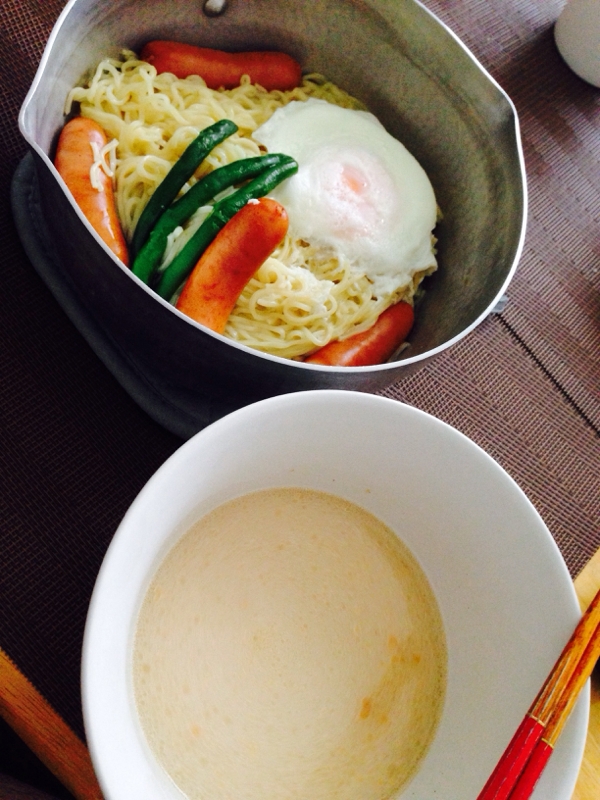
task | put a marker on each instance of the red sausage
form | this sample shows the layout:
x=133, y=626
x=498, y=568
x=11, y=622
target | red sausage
x=373, y=346
x=73, y=160
x=232, y=258
x=223, y=70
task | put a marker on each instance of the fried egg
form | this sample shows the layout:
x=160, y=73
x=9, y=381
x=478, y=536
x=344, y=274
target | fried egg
x=358, y=191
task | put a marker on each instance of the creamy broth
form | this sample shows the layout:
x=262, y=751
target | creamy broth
x=289, y=646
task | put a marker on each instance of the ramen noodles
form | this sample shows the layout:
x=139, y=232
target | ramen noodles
x=309, y=292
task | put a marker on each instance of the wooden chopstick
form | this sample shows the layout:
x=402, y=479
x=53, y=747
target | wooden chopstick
x=31, y=716
x=525, y=757
x=543, y=750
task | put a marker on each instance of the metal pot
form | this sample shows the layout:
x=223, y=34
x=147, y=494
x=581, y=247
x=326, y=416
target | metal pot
x=408, y=68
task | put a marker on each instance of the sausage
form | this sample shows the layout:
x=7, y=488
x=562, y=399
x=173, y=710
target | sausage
x=221, y=70
x=73, y=160
x=241, y=246
x=373, y=346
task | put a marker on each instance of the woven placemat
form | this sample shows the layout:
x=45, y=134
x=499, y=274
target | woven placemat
x=525, y=385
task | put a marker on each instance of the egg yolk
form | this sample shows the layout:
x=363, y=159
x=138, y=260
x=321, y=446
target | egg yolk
x=356, y=194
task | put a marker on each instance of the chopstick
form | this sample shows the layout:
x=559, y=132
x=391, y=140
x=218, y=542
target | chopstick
x=45, y=732
x=523, y=761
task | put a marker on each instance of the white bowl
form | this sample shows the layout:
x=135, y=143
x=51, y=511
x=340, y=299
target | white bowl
x=506, y=599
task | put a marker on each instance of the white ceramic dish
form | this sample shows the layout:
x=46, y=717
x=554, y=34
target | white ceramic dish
x=505, y=595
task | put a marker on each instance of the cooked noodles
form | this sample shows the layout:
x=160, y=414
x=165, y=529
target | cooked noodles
x=302, y=297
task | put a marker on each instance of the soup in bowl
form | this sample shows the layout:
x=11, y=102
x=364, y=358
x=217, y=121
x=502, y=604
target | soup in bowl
x=326, y=594
x=289, y=645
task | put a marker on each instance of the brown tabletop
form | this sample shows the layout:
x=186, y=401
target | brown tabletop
x=525, y=385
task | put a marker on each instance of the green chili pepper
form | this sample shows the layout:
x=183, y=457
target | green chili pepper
x=168, y=189
x=149, y=257
x=183, y=263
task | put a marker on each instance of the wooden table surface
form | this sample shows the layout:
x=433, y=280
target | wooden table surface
x=587, y=584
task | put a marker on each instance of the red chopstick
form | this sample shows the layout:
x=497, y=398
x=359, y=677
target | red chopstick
x=523, y=761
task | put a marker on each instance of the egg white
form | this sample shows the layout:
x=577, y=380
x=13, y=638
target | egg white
x=357, y=191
